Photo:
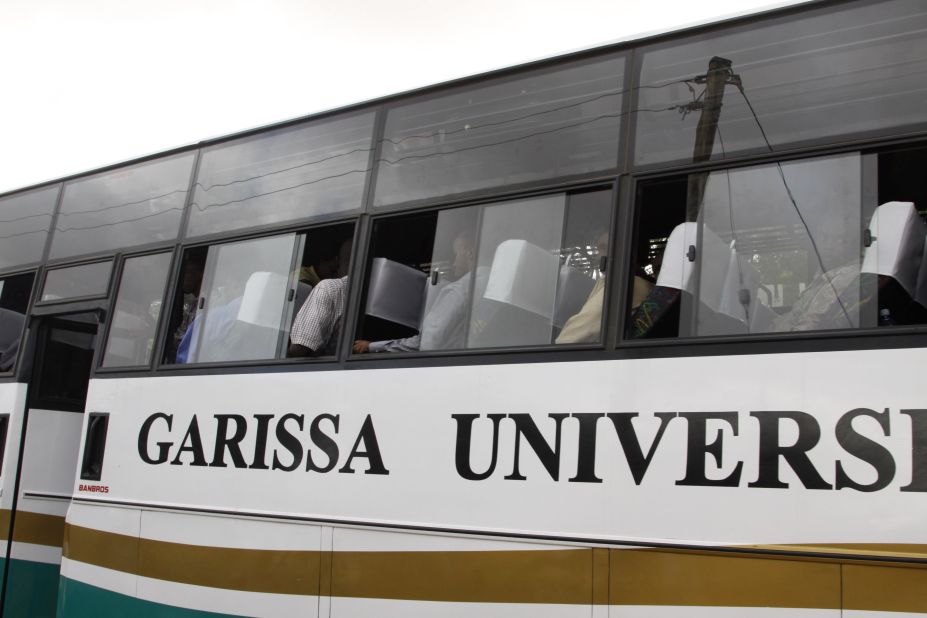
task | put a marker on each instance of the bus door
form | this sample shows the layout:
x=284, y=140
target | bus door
x=48, y=451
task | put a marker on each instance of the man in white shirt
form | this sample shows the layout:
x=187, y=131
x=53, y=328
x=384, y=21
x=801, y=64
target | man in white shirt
x=444, y=325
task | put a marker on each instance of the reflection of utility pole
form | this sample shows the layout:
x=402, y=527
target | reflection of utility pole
x=720, y=73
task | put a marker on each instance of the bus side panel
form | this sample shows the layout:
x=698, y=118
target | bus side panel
x=178, y=564
x=108, y=587
x=378, y=573
x=13, y=403
x=46, y=480
x=881, y=591
x=657, y=584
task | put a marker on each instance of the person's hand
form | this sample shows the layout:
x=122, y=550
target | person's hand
x=361, y=346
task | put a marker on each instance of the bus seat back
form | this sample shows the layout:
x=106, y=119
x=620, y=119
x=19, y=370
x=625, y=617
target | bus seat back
x=897, y=245
x=396, y=293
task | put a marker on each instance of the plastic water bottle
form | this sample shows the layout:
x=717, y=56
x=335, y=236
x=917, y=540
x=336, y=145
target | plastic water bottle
x=885, y=318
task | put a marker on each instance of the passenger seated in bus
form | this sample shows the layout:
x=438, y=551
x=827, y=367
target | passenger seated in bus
x=586, y=324
x=443, y=325
x=315, y=329
x=835, y=297
x=215, y=323
x=190, y=282
x=832, y=300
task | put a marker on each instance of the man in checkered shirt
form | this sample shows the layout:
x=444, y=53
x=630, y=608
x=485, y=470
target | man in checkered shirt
x=315, y=329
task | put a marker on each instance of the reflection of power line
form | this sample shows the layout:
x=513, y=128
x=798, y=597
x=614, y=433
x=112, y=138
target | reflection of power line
x=44, y=214
x=114, y=206
x=788, y=191
x=42, y=231
x=438, y=133
x=501, y=142
x=280, y=171
x=302, y=184
x=443, y=133
x=362, y=150
x=422, y=156
x=120, y=222
x=383, y=140
x=102, y=209
x=203, y=208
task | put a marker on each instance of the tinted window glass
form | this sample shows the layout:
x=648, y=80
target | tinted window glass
x=130, y=206
x=827, y=73
x=543, y=124
x=77, y=281
x=14, y=302
x=24, y=223
x=520, y=273
x=293, y=173
x=263, y=298
x=63, y=363
x=138, y=306
x=797, y=246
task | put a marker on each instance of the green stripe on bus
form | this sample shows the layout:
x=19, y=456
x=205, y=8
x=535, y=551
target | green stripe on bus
x=79, y=600
x=31, y=588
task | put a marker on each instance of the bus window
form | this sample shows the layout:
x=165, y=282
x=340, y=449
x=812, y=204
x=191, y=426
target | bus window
x=14, y=302
x=306, y=170
x=62, y=370
x=84, y=280
x=539, y=124
x=129, y=206
x=256, y=299
x=138, y=305
x=784, y=82
x=794, y=246
x=26, y=219
x=519, y=273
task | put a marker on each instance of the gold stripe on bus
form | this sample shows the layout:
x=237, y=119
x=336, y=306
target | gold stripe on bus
x=646, y=577
x=891, y=589
x=4, y=524
x=36, y=528
x=529, y=576
x=250, y=570
x=868, y=550
x=118, y=552
x=566, y=576
x=600, y=558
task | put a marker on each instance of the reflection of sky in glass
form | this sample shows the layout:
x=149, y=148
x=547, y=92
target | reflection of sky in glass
x=77, y=281
x=138, y=305
x=246, y=277
x=769, y=233
x=293, y=173
x=853, y=70
x=827, y=193
x=24, y=223
x=547, y=123
x=130, y=206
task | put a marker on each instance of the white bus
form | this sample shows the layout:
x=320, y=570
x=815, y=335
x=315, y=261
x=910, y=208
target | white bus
x=636, y=332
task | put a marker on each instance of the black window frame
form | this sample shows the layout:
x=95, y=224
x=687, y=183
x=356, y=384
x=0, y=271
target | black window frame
x=497, y=77
x=297, y=228
x=75, y=299
x=757, y=343
x=33, y=296
x=743, y=25
x=112, y=297
x=37, y=399
x=186, y=239
x=611, y=184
